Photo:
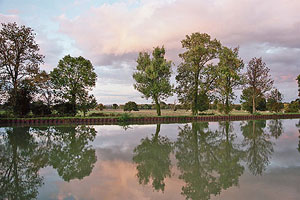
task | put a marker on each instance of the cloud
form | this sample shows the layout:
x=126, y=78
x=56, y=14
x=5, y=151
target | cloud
x=9, y=18
x=114, y=33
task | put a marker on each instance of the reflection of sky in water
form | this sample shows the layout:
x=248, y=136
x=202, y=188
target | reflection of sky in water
x=114, y=174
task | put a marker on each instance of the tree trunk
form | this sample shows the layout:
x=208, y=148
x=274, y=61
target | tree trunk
x=253, y=104
x=253, y=100
x=227, y=105
x=196, y=96
x=157, y=105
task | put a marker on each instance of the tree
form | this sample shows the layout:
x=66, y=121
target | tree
x=115, y=106
x=274, y=101
x=258, y=78
x=129, y=106
x=72, y=79
x=19, y=58
x=196, y=74
x=247, y=103
x=153, y=76
x=229, y=76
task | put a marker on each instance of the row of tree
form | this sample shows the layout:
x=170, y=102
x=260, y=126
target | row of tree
x=208, y=71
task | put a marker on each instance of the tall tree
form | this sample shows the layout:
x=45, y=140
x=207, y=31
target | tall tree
x=229, y=76
x=258, y=79
x=19, y=58
x=196, y=73
x=72, y=79
x=153, y=76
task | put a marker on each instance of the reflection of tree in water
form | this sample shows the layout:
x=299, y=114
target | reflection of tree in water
x=71, y=155
x=275, y=127
x=208, y=160
x=230, y=156
x=259, y=148
x=153, y=160
x=24, y=151
x=20, y=160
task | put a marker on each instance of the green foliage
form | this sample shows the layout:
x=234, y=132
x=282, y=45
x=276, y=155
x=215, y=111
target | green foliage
x=64, y=109
x=124, y=117
x=100, y=106
x=20, y=101
x=153, y=76
x=293, y=107
x=229, y=77
x=38, y=108
x=72, y=79
x=246, y=100
x=153, y=161
x=196, y=75
x=87, y=102
x=274, y=103
x=115, y=106
x=203, y=102
x=131, y=106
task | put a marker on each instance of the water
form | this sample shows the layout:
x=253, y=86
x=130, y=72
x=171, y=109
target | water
x=216, y=160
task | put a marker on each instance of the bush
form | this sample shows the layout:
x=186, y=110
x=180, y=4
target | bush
x=115, y=106
x=293, y=107
x=40, y=109
x=129, y=106
x=64, y=109
x=100, y=106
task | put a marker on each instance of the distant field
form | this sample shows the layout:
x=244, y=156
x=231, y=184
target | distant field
x=164, y=112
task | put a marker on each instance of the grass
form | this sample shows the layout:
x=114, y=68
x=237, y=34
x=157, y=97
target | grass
x=167, y=112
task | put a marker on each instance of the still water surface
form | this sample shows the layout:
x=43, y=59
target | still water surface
x=216, y=160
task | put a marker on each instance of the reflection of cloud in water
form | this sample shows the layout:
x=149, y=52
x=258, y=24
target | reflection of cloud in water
x=116, y=180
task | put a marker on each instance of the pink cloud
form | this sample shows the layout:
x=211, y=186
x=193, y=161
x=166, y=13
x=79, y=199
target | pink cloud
x=119, y=29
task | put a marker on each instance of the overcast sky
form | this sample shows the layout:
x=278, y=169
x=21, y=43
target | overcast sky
x=111, y=33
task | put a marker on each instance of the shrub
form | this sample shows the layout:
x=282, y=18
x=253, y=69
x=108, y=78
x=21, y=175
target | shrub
x=40, y=109
x=115, y=106
x=64, y=109
x=293, y=107
x=129, y=106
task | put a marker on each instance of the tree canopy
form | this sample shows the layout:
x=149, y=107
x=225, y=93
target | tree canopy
x=229, y=76
x=72, y=79
x=153, y=76
x=196, y=73
x=19, y=59
x=258, y=78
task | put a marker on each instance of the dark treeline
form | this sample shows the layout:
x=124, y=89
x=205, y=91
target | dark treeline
x=206, y=77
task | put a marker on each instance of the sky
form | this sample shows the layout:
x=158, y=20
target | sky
x=112, y=33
